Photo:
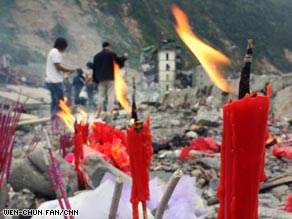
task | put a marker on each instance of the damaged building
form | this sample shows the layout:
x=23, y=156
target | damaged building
x=164, y=65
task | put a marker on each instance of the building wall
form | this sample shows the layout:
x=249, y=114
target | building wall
x=166, y=68
x=165, y=55
x=166, y=65
x=200, y=78
x=5, y=60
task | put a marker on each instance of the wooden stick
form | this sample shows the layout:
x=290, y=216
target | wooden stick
x=4, y=196
x=168, y=192
x=275, y=182
x=263, y=187
x=34, y=121
x=116, y=198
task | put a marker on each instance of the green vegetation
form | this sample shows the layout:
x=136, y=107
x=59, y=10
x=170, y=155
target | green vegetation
x=267, y=22
x=8, y=38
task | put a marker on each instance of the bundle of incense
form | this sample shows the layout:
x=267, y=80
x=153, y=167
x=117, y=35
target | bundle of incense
x=57, y=173
x=54, y=183
x=32, y=145
x=65, y=142
x=8, y=123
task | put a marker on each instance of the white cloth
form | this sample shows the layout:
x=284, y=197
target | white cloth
x=52, y=73
x=94, y=204
x=83, y=93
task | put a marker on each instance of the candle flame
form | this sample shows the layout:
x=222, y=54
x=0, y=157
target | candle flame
x=121, y=88
x=206, y=55
x=66, y=114
x=82, y=116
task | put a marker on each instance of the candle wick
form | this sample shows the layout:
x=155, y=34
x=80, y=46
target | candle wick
x=244, y=83
x=134, y=114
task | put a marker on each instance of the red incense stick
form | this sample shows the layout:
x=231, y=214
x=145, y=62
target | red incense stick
x=58, y=174
x=54, y=184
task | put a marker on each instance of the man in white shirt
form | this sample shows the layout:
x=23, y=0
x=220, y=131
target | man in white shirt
x=54, y=77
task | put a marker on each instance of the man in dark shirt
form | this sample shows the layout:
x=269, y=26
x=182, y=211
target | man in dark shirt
x=103, y=75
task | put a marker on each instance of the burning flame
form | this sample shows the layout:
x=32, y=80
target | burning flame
x=66, y=114
x=82, y=116
x=207, y=56
x=121, y=88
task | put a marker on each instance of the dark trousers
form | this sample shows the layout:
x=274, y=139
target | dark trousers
x=90, y=93
x=57, y=94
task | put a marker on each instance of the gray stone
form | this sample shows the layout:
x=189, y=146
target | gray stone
x=31, y=173
x=280, y=191
x=4, y=198
x=192, y=134
x=23, y=199
x=24, y=175
x=196, y=154
x=213, y=102
x=201, y=182
x=175, y=122
x=214, y=183
x=213, y=163
x=37, y=159
x=283, y=101
x=273, y=213
x=196, y=173
x=208, y=116
x=96, y=167
x=268, y=200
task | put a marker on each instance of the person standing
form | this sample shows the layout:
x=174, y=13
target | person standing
x=103, y=75
x=68, y=88
x=54, y=77
x=78, y=84
x=90, y=84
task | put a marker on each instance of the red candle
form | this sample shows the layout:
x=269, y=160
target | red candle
x=83, y=128
x=78, y=154
x=242, y=156
x=140, y=153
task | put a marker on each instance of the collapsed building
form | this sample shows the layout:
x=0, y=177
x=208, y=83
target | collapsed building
x=164, y=65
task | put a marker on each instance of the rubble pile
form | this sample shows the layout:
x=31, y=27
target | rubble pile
x=173, y=128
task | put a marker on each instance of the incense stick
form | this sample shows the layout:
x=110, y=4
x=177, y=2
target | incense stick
x=8, y=124
x=53, y=182
x=58, y=174
x=116, y=198
x=32, y=145
x=168, y=192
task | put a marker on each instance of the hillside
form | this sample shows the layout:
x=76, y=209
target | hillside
x=28, y=28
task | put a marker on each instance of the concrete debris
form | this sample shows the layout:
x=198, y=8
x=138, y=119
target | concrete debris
x=173, y=126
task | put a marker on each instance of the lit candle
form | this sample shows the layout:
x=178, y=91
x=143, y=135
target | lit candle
x=244, y=129
x=140, y=153
x=243, y=150
x=80, y=130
